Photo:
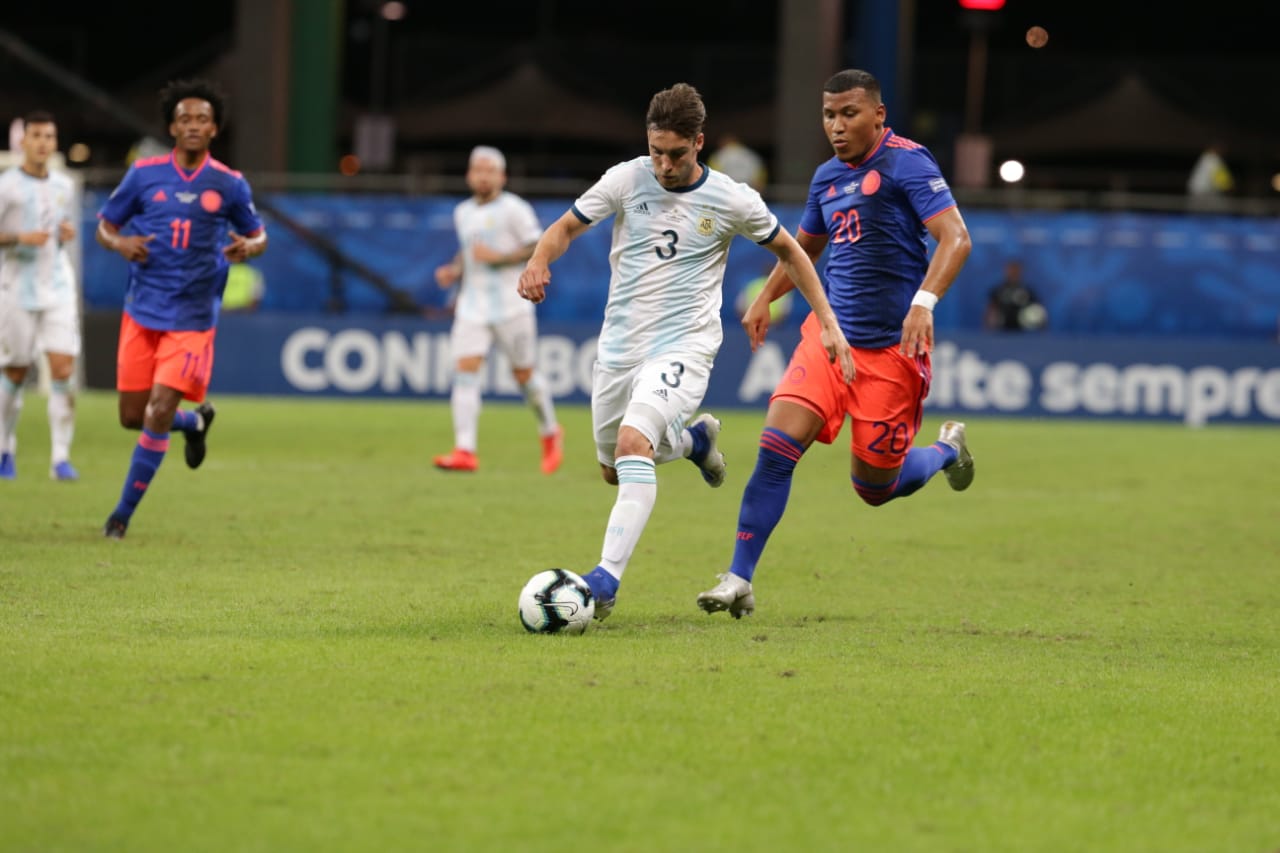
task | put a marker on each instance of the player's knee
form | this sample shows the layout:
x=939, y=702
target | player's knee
x=875, y=495
x=131, y=420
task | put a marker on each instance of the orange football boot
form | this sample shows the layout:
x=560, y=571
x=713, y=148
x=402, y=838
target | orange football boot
x=457, y=460
x=552, y=451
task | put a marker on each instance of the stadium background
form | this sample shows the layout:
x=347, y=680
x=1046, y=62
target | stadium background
x=1107, y=119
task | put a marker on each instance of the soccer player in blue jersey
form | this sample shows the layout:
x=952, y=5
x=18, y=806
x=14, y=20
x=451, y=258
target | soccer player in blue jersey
x=180, y=220
x=673, y=222
x=872, y=204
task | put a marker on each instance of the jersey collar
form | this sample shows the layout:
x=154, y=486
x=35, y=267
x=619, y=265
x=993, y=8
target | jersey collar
x=182, y=173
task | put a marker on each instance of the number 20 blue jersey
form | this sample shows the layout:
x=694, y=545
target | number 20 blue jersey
x=873, y=214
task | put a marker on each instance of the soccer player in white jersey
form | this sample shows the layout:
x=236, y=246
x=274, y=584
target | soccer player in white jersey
x=674, y=219
x=39, y=310
x=497, y=231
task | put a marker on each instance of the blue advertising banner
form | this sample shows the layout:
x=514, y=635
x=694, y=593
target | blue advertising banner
x=1096, y=273
x=1195, y=381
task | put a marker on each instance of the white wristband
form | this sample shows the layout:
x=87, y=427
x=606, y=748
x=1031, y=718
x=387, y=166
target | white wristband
x=925, y=299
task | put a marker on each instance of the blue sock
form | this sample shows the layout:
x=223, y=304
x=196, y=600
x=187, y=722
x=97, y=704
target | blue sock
x=147, y=456
x=764, y=499
x=920, y=465
x=604, y=586
x=184, y=420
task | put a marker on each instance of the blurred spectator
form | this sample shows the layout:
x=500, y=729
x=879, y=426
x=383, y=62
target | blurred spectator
x=246, y=286
x=1210, y=178
x=739, y=162
x=779, y=309
x=1012, y=306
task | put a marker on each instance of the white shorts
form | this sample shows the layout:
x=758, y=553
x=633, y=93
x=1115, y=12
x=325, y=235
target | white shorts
x=673, y=386
x=517, y=337
x=24, y=334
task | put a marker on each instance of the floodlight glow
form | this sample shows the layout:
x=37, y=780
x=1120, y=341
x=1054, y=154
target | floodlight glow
x=1011, y=171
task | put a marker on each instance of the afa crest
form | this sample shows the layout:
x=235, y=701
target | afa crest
x=706, y=225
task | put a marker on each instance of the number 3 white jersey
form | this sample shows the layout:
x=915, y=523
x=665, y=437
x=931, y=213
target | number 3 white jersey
x=668, y=258
x=491, y=294
x=36, y=277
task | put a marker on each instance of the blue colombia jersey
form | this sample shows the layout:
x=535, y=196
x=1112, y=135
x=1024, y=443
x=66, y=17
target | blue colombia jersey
x=873, y=214
x=180, y=284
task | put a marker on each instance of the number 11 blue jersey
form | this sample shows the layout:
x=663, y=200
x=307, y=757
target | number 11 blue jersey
x=189, y=215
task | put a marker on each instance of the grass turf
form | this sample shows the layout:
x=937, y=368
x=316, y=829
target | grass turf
x=311, y=643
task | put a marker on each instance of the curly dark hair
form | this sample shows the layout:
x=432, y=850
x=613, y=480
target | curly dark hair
x=177, y=91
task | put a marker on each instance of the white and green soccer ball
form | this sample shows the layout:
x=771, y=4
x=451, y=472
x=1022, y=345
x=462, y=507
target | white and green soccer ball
x=556, y=601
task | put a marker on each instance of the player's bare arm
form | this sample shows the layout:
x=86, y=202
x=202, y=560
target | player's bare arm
x=66, y=231
x=447, y=275
x=132, y=247
x=242, y=248
x=798, y=266
x=757, y=317
x=554, y=243
x=24, y=238
x=493, y=257
x=954, y=244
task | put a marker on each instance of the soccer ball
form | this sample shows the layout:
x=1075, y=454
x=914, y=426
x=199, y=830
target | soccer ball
x=556, y=602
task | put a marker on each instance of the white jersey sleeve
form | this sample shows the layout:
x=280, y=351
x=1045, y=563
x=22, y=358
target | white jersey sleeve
x=668, y=259
x=490, y=294
x=36, y=277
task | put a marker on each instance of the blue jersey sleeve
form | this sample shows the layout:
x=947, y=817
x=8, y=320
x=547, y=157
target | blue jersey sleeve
x=922, y=183
x=126, y=201
x=242, y=212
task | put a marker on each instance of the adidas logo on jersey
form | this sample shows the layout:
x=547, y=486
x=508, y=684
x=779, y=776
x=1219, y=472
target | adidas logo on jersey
x=159, y=196
x=831, y=191
x=642, y=207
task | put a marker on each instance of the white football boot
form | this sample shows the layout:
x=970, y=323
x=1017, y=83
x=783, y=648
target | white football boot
x=711, y=464
x=959, y=473
x=732, y=594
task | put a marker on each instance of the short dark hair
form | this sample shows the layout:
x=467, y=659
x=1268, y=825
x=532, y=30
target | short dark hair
x=679, y=110
x=853, y=78
x=38, y=117
x=177, y=91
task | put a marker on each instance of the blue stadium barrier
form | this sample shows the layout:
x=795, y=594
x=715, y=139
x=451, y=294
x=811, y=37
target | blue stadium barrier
x=1132, y=274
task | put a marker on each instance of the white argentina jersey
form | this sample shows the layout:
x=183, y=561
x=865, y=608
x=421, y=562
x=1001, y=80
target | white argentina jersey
x=491, y=294
x=668, y=258
x=37, y=277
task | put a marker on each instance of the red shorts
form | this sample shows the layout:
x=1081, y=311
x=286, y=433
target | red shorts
x=885, y=399
x=180, y=360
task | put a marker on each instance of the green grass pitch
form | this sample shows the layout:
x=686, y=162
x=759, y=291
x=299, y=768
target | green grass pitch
x=311, y=644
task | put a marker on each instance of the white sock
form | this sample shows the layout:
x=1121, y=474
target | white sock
x=667, y=453
x=465, y=402
x=637, y=493
x=536, y=395
x=62, y=419
x=10, y=408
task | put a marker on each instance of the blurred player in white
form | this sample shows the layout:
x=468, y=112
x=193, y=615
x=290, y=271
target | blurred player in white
x=39, y=310
x=674, y=219
x=497, y=231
